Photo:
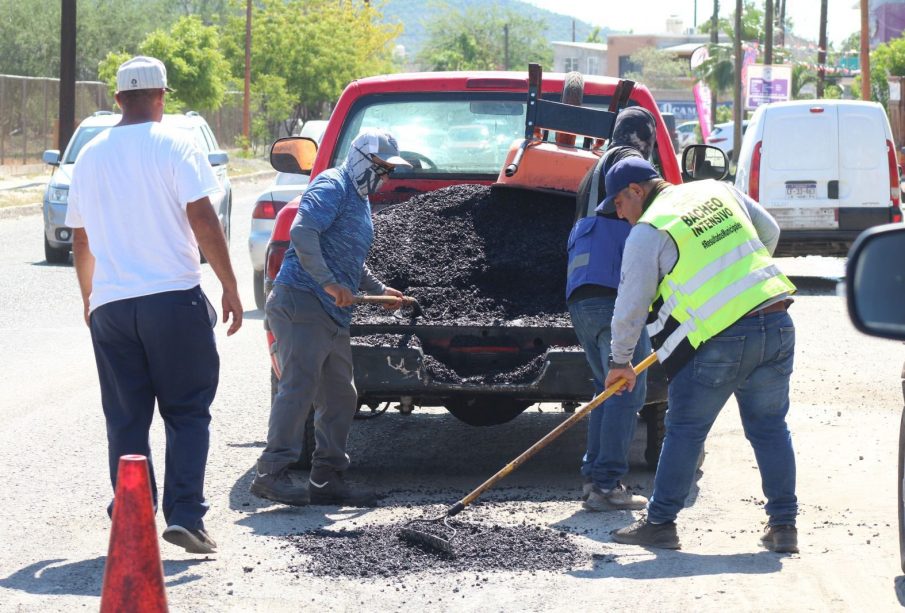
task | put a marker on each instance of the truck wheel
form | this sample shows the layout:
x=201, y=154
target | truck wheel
x=307, y=453
x=491, y=412
x=572, y=93
x=259, y=289
x=54, y=255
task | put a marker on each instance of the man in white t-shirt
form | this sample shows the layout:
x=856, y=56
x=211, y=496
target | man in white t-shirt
x=139, y=203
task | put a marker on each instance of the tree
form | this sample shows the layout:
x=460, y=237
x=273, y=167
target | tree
x=30, y=36
x=658, y=69
x=752, y=24
x=474, y=40
x=594, y=36
x=316, y=46
x=195, y=66
x=888, y=59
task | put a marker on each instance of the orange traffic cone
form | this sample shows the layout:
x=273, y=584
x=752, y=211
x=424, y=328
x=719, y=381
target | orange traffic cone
x=133, y=573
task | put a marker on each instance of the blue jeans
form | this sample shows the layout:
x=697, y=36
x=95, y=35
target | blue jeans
x=160, y=348
x=611, y=426
x=752, y=359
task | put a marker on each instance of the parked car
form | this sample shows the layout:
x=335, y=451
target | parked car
x=875, y=290
x=689, y=132
x=58, y=237
x=670, y=120
x=723, y=136
x=285, y=187
x=826, y=170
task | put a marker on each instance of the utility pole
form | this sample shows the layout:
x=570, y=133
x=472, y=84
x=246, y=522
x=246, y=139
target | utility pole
x=768, y=33
x=865, y=52
x=821, y=51
x=695, y=21
x=782, y=23
x=67, y=73
x=714, y=39
x=246, y=102
x=737, y=94
x=506, y=47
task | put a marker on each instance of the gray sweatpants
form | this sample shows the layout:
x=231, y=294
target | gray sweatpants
x=315, y=356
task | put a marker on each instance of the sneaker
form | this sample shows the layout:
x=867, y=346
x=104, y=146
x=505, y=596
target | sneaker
x=193, y=541
x=646, y=534
x=781, y=539
x=616, y=499
x=279, y=487
x=328, y=486
x=587, y=484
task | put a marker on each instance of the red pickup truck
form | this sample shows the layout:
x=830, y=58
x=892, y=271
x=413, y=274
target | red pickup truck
x=423, y=110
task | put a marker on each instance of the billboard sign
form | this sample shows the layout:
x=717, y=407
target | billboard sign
x=765, y=84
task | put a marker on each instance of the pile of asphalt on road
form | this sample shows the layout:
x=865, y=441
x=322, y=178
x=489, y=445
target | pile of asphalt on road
x=378, y=551
x=473, y=255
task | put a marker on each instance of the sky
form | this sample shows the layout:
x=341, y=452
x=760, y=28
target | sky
x=645, y=16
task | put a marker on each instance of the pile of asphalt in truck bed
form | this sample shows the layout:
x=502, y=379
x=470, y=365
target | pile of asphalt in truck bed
x=441, y=373
x=473, y=255
x=378, y=551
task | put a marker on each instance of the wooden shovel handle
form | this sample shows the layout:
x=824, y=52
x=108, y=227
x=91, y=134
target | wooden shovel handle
x=383, y=299
x=565, y=425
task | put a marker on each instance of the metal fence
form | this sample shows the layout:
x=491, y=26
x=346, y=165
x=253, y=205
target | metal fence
x=29, y=122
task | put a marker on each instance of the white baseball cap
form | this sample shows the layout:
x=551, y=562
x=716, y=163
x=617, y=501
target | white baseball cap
x=141, y=72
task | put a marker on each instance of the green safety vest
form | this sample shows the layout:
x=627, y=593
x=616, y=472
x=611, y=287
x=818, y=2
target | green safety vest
x=723, y=271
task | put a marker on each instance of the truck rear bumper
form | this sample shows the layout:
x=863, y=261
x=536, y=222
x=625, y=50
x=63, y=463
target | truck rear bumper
x=384, y=373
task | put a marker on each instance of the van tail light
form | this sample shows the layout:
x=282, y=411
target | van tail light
x=267, y=209
x=754, y=174
x=274, y=258
x=894, y=189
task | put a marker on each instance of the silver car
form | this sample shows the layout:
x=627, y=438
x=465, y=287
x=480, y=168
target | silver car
x=57, y=236
x=285, y=187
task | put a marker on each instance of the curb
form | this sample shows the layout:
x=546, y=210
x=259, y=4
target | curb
x=252, y=176
x=11, y=212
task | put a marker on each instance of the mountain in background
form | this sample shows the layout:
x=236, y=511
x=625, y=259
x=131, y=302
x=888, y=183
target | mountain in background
x=414, y=15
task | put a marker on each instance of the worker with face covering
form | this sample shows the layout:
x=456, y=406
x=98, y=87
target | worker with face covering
x=309, y=312
x=595, y=258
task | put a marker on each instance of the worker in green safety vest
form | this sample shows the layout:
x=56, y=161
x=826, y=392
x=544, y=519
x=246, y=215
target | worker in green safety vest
x=703, y=280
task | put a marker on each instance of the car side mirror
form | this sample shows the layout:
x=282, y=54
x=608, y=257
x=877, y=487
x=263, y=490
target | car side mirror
x=704, y=162
x=293, y=154
x=218, y=158
x=52, y=157
x=875, y=281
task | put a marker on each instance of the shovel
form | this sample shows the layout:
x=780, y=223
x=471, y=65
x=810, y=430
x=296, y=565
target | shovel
x=407, y=302
x=436, y=532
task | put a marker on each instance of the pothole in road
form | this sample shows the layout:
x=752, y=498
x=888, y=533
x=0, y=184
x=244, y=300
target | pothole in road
x=375, y=551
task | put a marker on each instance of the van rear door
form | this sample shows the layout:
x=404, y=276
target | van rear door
x=799, y=177
x=864, y=166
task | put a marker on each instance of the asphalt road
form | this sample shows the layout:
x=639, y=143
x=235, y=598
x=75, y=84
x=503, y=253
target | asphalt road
x=845, y=411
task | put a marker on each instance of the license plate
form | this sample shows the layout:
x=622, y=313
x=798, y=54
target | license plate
x=801, y=190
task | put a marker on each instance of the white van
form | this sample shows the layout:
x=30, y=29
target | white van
x=825, y=169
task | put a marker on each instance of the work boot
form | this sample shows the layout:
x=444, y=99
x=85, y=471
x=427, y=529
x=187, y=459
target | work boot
x=781, y=539
x=327, y=486
x=193, y=541
x=616, y=499
x=587, y=484
x=279, y=487
x=646, y=534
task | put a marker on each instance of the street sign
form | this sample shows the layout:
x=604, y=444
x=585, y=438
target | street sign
x=765, y=84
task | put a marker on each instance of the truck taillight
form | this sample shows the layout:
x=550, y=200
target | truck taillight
x=894, y=189
x=267, y=209
x=274, y=259
x=754, y=175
